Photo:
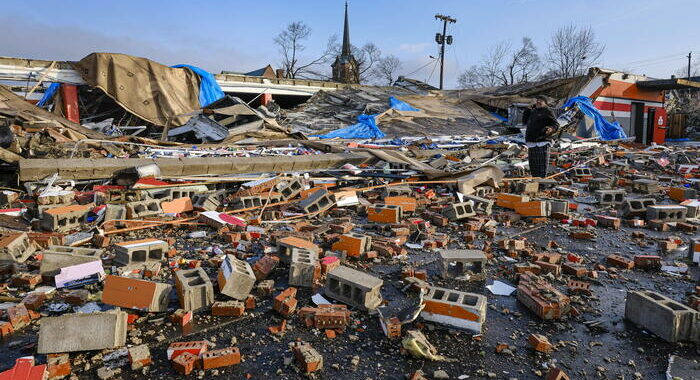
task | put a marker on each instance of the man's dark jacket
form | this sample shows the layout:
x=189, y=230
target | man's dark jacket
x=537, y=120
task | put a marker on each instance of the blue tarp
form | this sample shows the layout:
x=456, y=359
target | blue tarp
x=366, y=128
x=48, y=94
x=606, y=130
x=400, y=105
x=209, y=90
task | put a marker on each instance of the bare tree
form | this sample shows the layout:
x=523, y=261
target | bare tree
x=503, y=66
x=366, y=56
x=572, y=50
x=524, y=64
x=387, y=69
x=291, y=45
x=488, y=72
x=682, y=72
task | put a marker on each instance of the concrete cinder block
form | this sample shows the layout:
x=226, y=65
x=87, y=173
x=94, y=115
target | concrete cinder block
x=646, y=186
x=463, y=262
x=208, y=201
x=16, y=247
x=599, y=184
x=558, y=207
x=355, y=288
x=668, y=319
x=481, y=205
x=318, y=201
x=395, y=191
x=140, y=251
x=289, y=188
x=666, y=213
x=136, y=294
x=288, y=244
x=194, y=289
x=248, y=201
x=455, y=308
x=143, y=209
x=65, y=218
x=236, y=278
x=57, y=257
x=482, y=191
x=82, y=332
x=304, y=269
x=459, y=211
x=609, y=197
x=636, y=207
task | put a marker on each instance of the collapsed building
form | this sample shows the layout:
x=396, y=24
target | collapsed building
x=226, y=237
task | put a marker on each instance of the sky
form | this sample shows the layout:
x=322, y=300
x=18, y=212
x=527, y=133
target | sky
x=645, y=37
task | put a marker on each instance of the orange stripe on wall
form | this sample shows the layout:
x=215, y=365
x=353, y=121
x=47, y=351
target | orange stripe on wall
x=619, y=89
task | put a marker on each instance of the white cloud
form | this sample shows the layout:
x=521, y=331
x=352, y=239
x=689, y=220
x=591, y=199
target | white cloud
x=413, y=48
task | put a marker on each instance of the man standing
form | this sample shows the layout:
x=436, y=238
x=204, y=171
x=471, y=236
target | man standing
x=541, y=125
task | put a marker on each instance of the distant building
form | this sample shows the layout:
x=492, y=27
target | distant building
x=345, y=68
x=265, y=72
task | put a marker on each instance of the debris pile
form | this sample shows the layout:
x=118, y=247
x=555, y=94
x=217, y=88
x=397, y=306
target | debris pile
x=419, y=257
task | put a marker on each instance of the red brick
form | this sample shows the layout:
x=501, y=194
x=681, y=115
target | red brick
x=542, y=298
x=556, y=374
x=285, y=303
x=228, y=308
x=18, y=316
x=34, y=301
x=196, y=348
x=6, y=329
x=181, y=317
x=326, y=316
x=619, y=261
x=307, y=357
x=58, y=366
x=574, y=270
x=393, y=327
x=264, y=266
x=581, y=235
x=184, y=363
x=221, y=358
x=546, y=267
x=26, y=280
x=540, y=343
x=576, y=287
x=647, y=262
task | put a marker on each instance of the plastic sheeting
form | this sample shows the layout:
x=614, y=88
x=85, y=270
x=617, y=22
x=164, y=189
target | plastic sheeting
x=366, y=128
x=48, y=94
x=400, y=105
x=606, y=130
x=209, y=89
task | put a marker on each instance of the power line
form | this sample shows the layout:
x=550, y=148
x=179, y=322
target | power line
x=431, y=74
x=651, y=59
x=420, y=68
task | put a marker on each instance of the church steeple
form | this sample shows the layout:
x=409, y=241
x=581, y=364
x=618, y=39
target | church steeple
x=346, y=35
x=345, y=68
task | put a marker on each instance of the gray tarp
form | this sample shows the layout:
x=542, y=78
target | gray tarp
x=154, y=92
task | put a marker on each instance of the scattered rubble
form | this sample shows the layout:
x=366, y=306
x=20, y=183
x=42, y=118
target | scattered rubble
x=286, y=256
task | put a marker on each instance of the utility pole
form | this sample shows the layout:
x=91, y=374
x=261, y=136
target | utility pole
x=443, y=39
x=689, y=56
